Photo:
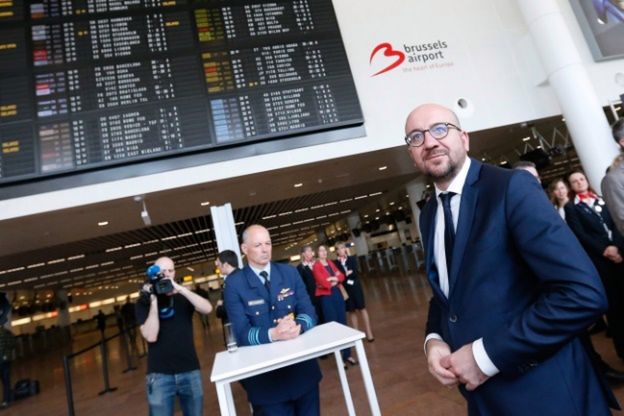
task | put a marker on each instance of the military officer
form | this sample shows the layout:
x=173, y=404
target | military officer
x=267, y=302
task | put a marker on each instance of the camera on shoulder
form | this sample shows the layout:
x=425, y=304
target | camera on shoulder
x=161, y=287
x=160, y=284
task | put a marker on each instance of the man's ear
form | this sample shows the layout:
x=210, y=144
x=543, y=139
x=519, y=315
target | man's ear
x=466, y=140
x=621, y=142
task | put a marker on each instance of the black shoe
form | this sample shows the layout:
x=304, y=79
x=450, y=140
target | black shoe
x=614, y=376
x=598, y=327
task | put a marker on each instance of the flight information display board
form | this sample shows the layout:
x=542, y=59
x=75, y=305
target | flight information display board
x=93, y=83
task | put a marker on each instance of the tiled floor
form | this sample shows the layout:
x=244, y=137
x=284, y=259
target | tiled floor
x=397, y=304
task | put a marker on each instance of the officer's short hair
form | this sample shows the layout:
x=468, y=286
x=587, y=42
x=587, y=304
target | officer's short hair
x=229, y=257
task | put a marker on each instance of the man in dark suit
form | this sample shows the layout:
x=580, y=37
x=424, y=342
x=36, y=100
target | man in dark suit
x=227, y=263
x=267, y=302
x=512, y=287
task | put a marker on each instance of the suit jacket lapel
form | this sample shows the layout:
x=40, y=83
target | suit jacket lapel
x=428, y=223
x=464, y=222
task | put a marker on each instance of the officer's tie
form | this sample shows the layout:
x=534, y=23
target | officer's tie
x=449, y=229
x=267, y=283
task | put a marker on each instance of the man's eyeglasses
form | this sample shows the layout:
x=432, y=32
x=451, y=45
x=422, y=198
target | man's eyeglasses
x=438, y=131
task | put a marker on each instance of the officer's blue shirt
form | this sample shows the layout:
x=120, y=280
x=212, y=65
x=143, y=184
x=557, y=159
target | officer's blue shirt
x=267, y=269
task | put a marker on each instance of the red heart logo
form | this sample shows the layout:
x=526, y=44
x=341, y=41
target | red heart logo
x=389, y=52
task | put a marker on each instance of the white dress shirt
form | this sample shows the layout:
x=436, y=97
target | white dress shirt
x=457, y=184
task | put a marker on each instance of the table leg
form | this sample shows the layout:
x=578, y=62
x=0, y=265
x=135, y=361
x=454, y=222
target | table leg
x=345, y=383
x=368, y=380
x=226, y=402
x=230, y=399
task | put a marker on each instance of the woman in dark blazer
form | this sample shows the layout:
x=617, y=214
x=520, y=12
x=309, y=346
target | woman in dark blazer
x=348, y=266
x=588, y=216
x=328, y=277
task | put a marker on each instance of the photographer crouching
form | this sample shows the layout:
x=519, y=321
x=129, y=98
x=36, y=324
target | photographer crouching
x=164, y=312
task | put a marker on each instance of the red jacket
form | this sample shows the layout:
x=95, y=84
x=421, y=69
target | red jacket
x=323, y=286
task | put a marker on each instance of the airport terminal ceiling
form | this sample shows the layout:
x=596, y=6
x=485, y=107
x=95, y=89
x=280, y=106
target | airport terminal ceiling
x=69, y=249
x=111, y=258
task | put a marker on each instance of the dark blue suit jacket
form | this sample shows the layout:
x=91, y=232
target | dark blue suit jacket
x=521, y=281
x=253, y=312
x=308, y=281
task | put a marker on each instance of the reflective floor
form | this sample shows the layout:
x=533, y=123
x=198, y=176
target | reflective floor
x=397, y=304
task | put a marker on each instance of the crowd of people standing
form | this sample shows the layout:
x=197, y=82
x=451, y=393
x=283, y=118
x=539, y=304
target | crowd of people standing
x=597, y=221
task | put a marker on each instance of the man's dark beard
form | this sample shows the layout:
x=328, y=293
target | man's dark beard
x=449, y=174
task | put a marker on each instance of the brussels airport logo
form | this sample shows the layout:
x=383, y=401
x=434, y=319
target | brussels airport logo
x=396, y=58
x=384, y=57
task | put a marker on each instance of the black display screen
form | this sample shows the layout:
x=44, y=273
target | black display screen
x=92, y=83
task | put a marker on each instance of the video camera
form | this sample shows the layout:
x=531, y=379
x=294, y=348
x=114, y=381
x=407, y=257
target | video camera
x=161, y=287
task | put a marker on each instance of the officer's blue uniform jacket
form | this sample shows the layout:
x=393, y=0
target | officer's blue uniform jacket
x=252, y=313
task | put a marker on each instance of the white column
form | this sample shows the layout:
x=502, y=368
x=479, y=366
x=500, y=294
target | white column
x=225, y=229
x=401, y=227
x=63, y=319
x=361, y=245
x=577, y=98
x=415, y=192
x=320, y=238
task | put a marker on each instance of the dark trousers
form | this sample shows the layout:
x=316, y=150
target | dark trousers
x=306, y=405
x=316, y=302
x=5, y=375
x=612, y=275
x=333, y=307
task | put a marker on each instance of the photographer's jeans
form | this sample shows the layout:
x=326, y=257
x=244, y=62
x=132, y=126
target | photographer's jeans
x=162, y=390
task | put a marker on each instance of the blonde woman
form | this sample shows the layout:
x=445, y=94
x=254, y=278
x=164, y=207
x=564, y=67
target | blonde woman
x=558, y=193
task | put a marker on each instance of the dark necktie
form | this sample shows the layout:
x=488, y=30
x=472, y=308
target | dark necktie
x=449, y=229
x=267, y=283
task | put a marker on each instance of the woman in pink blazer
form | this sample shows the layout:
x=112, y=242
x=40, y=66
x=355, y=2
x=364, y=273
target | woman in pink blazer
x=328, y=277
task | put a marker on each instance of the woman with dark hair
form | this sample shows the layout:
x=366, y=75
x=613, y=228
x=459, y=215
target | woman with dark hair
x=588, y=217
x=348, y=266
x=558, y=194
x=328, y=278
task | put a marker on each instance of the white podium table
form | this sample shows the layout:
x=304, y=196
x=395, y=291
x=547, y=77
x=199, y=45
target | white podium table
x=320, y=340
